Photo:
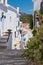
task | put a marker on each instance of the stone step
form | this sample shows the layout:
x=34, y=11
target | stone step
x=14, y=64
x=4, y=56
x=13, y=54
x=13, y=61
x=12, y=58
x=3, y=47
x=1, y=39
x=5, y=37
x=20, y=64
x=4, y=40
x=3, y=43
x=9, y=58
x=17, y=60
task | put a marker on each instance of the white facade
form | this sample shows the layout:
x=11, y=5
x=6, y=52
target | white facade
x=9, y=18
x=37, y=4
x=3, y=2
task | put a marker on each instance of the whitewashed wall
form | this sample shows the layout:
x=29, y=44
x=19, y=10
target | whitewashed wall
x=1, y=24
x=37, y=4
x=10, y=23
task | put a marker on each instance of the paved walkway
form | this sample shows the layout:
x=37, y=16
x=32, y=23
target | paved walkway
x=12, y=57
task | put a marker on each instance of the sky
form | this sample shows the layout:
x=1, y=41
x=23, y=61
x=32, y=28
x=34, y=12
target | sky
x=25, y=6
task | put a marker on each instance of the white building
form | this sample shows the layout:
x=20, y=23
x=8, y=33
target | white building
x=26, y=34
x=9, y=19
x=37, y=4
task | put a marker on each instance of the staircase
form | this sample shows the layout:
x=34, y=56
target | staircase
x=4, y=40
x=12, y=58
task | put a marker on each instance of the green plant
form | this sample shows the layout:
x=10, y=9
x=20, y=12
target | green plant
x=34, y=49
x=9, y=30
x=27, y=18
x=15, y=45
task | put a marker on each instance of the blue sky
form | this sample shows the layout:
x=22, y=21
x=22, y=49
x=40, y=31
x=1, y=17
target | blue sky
x=24, y=5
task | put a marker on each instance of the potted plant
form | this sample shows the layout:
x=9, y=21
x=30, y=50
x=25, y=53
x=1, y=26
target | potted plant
x=15, y=45
x=9, y=31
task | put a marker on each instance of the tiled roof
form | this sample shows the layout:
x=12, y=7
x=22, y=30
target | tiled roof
x=21, y=42
x=5, y=8
x=24, y=31
x=12, y=8
x=24, y=24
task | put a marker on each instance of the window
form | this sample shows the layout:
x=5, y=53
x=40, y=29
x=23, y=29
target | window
x=17, y=16
x=2, y=15
x=23, y=37
x=0, y=19
x=4, y=1
x=18, y=23
x=15, y=33
x=10, y=18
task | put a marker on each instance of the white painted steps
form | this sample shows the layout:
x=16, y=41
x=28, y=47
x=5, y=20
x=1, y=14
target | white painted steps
x=3, y=40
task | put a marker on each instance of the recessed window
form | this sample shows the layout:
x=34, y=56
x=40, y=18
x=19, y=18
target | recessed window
x=2, y=15
x=10, y=18
x=18, y=23
x=4, y=1
x=15, y=34
x=17, y=16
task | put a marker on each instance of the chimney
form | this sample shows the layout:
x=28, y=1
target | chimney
x=17, y=10
x=5, y=2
